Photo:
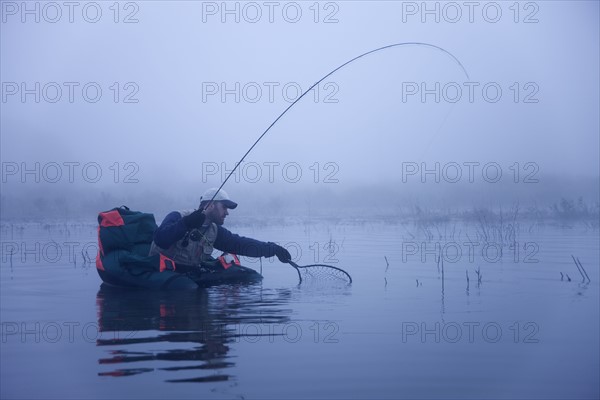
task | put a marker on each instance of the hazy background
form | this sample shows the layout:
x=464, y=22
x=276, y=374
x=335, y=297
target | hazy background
x=338, y=180
x=347, y=149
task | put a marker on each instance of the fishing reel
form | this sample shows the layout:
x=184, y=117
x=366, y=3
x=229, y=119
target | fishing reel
x=194, y=235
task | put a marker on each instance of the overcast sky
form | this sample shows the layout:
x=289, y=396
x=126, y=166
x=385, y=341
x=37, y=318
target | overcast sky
x=164, y=120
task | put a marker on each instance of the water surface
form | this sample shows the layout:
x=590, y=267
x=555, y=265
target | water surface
x=409, y=326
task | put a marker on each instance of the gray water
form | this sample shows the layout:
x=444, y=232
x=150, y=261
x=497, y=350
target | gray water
x=410, y=325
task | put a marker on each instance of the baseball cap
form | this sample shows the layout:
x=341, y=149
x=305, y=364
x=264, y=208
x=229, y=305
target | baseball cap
x=221, y=196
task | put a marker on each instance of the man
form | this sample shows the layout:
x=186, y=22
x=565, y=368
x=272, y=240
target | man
x=189, y=238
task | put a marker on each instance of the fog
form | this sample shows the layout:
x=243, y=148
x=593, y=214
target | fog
x=454, y=175
x=148, y=104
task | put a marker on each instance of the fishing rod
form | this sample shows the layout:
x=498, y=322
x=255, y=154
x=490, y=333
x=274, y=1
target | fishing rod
x=321, y=80
x=423, y=44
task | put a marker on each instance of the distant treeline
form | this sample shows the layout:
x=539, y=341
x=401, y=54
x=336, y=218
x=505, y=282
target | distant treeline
x=357, y=203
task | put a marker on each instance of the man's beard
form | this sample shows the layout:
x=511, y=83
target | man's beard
x=220, y=221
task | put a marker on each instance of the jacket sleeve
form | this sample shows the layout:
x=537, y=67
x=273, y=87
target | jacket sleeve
x=170, y=230
x=243, y=246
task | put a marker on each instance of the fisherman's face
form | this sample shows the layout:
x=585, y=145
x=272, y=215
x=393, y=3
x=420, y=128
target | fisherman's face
x=217, y=212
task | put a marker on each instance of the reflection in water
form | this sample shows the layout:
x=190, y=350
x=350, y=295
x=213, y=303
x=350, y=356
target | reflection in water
x=205, y=322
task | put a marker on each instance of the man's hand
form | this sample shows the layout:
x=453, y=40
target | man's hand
x=283, y=255
x=194, y=220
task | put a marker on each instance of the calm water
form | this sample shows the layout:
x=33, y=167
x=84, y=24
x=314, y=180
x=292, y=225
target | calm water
x=409, y=326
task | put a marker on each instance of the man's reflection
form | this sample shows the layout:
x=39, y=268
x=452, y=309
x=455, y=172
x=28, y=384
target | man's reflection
x=194, y=328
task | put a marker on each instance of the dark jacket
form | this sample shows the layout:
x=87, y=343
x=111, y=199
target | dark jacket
x=173, y=229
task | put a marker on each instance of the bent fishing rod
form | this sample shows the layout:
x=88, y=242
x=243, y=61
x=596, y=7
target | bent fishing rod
x=321, y=80
x=423, y=44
